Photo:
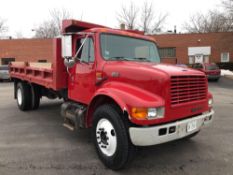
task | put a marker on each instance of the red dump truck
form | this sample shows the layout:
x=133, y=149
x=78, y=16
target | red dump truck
x=113, y=81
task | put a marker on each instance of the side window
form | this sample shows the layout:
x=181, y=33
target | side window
x=84, y=54
x=87, y=52
x=91, y=51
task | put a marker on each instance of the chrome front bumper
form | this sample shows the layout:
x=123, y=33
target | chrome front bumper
x=165, y=133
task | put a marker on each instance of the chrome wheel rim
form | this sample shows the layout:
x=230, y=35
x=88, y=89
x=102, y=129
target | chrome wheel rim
x=106, y=137
x=19, y=96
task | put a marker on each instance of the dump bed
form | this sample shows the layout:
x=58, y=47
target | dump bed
x=51, y=75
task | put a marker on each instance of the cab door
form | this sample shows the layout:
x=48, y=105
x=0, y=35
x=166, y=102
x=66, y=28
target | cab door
x=83, y=82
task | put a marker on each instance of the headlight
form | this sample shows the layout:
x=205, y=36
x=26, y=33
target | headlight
x=147, y=113
x=152, y=112
x=210, y=102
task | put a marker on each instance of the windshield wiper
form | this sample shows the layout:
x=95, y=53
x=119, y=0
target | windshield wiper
x=119, y=58
x=142, y=59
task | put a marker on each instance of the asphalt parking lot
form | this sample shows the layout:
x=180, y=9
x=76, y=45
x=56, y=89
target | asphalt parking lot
x=35, y=142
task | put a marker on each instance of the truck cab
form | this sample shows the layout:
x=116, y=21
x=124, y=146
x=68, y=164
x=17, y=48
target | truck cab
x=115, y=83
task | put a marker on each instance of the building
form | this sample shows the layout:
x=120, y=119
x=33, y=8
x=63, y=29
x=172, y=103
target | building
x=195, y=48
x=173, y=48
x=32, y=50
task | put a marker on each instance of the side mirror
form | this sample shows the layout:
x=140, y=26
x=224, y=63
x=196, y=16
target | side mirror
x=69, y=62
x=67, y=46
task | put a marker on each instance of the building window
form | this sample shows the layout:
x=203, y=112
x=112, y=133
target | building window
x=167, y=52
x=42, y=61
x=6, y=61
x=225, y=57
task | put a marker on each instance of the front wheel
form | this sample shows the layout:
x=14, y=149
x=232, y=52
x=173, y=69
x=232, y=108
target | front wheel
x=110, y=136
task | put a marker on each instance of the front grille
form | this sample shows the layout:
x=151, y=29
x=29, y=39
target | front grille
x=188, y=88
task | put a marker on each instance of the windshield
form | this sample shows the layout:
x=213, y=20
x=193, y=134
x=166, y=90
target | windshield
x=118, y=47
x=212, y=67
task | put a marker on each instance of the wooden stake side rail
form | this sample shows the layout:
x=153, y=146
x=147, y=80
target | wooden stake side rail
x=41, y=76
x=52, y=75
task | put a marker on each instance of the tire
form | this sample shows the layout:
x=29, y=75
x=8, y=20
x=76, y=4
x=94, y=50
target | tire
x=110, y=137
x=35, y=102
x=23, y=94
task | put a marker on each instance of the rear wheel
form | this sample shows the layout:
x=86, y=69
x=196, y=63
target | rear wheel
x=35, y=102
x=23, y=95
x=110, y=136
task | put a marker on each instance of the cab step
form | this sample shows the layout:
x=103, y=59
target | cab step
x=70, y=127
x=73, y=115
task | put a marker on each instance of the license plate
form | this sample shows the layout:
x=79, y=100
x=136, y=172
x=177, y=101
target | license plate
x=191, y=126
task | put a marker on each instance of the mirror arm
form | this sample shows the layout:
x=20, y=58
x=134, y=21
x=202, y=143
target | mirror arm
x=76, y=54
x=67, y=69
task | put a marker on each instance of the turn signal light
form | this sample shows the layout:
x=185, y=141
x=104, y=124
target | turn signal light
x=139, y=113
x=99, y=75
x=148, y=113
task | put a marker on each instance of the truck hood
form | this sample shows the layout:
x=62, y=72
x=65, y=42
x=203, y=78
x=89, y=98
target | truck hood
x=170, y=70
x=156, y=79
x=153, y=77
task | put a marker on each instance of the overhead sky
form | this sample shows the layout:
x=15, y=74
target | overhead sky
x=23, y=15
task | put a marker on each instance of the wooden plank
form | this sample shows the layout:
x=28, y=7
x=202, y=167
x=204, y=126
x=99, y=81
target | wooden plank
x=41, y=65
x=18, y=63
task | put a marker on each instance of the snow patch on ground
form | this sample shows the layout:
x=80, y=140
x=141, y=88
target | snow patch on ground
x=226, y=72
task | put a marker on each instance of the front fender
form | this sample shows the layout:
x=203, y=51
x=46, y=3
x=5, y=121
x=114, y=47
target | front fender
x=128, y=96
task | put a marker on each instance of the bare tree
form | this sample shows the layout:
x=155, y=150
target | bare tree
x=3, y=27
x=147, y=16
x=47, y=29
x=59, y=15
x=228, y=6
x=213, y=21
x=52, y=27
x=159, y=22
x=151, y=22
x=219, y=22
x=128, y=16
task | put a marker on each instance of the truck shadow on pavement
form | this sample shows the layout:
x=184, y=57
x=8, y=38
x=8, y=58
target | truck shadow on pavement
x=49, y=111
x=170, y=157
x=174, y=155
x=152, y=157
